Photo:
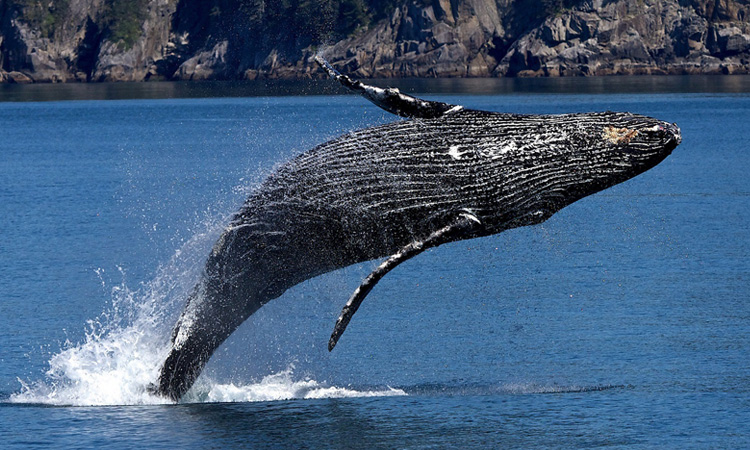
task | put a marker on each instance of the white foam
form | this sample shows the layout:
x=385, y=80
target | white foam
x=113, y=366
x=280, y=386
x=124, y=348
x=117, y=366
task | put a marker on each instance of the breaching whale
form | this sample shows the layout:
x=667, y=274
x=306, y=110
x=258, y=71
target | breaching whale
x=444, y=174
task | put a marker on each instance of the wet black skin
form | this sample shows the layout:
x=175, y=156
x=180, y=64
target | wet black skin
x=394, y=190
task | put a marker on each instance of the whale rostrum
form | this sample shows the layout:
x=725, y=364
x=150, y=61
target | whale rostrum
x=444, y=174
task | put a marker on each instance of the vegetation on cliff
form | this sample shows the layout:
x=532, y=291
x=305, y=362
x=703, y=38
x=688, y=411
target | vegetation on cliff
x=46, y=17
x=124, y=20
x=107, y=40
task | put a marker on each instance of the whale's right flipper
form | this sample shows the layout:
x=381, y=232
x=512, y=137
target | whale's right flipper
x=461, y=228
x=391, y=99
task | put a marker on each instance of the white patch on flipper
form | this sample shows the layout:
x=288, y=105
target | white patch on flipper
x=375, y=92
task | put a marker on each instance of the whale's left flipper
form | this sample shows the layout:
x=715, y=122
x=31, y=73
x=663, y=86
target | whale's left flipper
x=391, y=99
x=463, y=227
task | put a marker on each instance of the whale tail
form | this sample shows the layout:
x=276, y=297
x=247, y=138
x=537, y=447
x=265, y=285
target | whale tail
x=248, y=266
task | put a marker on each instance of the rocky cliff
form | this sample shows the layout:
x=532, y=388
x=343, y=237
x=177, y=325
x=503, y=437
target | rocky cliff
x=135, y=40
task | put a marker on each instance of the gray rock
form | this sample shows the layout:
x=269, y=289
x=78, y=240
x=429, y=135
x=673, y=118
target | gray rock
x=626, y=37
x=19, y=78
x=187, y=40
x=205, y=65
x=116, y=62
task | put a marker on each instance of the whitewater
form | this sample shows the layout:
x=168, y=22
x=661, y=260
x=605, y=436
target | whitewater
x=120, y=357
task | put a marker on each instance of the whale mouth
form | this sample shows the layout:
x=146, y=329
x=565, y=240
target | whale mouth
x=660, y=138
x=672, y=133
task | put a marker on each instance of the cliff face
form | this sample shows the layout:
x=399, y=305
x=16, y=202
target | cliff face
x=649, y=36
x=69, y=41
x=110, y=40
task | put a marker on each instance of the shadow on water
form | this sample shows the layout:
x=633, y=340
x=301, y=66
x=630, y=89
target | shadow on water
x=470, y=86
x=505, y=389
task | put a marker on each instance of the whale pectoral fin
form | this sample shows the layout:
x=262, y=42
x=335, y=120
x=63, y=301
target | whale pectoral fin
x=391, y=99
x=462, y=227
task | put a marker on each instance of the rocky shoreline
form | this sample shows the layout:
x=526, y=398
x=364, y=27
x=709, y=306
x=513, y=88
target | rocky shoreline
x=190, y=40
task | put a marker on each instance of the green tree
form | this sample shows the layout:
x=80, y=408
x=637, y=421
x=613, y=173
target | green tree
x=124, y=20
x=314, y=21
x=383, y=8
x=46, y=17
x=352, y=14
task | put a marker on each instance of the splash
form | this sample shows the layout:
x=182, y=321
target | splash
x=124, y=348
x=280, y=386
x=119, y=356
x=106, y=370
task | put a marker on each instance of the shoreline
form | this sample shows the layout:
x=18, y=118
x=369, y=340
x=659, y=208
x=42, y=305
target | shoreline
x=155, y=89
x=307, y=73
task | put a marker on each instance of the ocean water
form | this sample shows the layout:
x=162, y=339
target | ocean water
x=622, y=322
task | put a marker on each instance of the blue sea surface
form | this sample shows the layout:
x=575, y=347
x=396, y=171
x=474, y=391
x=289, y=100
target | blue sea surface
x=623, y=321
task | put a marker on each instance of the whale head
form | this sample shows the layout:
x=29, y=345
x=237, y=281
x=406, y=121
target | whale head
x=574, y=156
x=639, y=144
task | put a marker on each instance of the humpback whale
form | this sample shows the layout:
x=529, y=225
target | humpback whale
x=444, y=173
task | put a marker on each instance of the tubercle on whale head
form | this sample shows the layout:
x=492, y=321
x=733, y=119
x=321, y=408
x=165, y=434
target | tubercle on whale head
x=644, y=144
x=667, y=134
x=634, y=144
x=670, y=133
x=588, y=154
x=631, y=147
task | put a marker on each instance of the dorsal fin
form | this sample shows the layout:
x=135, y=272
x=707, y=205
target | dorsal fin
x=391, y=99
